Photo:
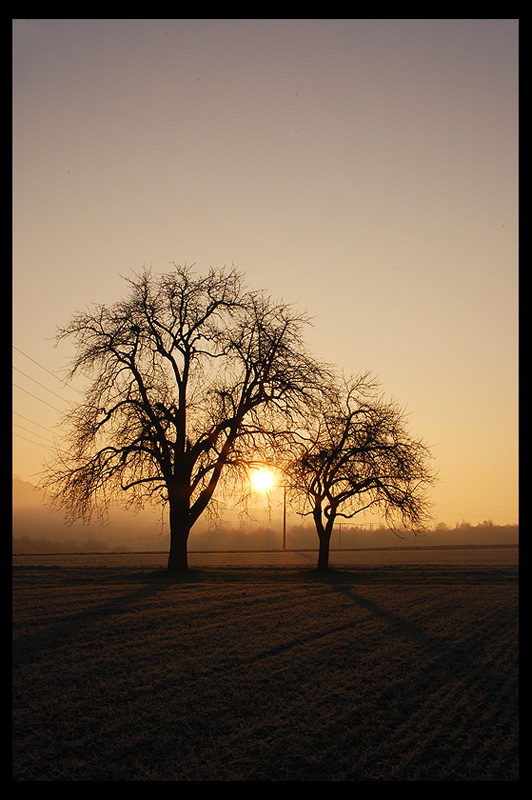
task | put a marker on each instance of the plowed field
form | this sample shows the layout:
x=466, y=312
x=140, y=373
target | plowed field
x=391, y=673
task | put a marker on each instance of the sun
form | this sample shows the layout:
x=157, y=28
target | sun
x=262, y=479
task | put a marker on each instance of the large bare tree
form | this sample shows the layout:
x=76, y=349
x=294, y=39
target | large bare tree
x=185, y=375
x=357, y=454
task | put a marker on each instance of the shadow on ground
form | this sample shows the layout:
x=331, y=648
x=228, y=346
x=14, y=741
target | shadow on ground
x=363, y=575
x=388, y=575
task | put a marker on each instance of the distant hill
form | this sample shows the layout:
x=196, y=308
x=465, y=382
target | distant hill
x=26, y=495
x=37, y=528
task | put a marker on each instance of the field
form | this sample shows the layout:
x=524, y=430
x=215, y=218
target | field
x=386, y=670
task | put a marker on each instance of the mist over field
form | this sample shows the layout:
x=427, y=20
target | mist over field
x=37, y=529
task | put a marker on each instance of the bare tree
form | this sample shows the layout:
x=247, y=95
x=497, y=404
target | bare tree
x=184, y=375
x=357, y=455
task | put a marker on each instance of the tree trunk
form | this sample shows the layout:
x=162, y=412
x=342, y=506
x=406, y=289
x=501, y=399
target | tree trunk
x=180, y=526
x=324, y=537
x=178, y=555
x=323, y=555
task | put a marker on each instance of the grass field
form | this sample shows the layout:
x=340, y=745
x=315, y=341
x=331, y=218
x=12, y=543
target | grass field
x=372, y=674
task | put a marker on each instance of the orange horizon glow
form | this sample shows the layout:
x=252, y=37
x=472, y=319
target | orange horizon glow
x=364, y=171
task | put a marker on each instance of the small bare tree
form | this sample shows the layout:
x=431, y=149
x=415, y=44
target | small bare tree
x=357, y=455
x=184, y=373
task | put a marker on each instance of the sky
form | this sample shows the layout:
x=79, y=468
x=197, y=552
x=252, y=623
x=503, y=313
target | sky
x=363, y=170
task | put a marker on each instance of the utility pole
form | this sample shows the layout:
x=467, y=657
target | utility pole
x=284, y=517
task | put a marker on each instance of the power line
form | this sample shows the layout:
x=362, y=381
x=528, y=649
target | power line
x=38, y=398
x=47, y=370
x=33, y=422
x=40, y=444
x=34, y=433
x=42, y=385
x=47, y=444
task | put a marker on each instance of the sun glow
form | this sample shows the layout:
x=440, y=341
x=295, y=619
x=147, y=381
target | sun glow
x=262, y=479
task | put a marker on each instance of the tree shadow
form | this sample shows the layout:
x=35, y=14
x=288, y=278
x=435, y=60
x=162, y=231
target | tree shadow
x=250, y=575
x=140, y=585
x=388, y=575
x=28, y=647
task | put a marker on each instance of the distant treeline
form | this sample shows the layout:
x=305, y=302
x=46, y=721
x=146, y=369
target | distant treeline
x=351, y=536
x=37, y=529
x=31, y=536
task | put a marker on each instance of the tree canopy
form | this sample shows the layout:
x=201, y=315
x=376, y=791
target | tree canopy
x=186, y=376
x=192, y=378
x=357, y=454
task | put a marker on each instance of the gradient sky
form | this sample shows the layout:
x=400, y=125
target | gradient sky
x=363, y=170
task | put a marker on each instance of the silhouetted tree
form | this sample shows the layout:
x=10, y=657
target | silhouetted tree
x=185, y=374
x=357, y=455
